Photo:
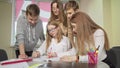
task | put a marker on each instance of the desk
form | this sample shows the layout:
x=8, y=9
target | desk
x=54, y=64
x=59, y=64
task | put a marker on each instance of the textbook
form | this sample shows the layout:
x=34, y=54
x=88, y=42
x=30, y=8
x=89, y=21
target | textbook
x=13, y=61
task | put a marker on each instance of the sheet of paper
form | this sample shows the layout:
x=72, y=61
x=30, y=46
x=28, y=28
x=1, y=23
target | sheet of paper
x=45, y=58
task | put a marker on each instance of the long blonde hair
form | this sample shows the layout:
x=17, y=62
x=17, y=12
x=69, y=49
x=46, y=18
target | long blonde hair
x=59, y=34
x=62, y=17
x=85, y=30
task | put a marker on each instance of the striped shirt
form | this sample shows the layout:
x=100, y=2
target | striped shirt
x=27, y=34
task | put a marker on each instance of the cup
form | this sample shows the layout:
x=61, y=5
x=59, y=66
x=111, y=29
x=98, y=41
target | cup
x=93, y=57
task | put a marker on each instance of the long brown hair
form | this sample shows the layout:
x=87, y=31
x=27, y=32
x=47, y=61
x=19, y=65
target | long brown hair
x=62, y=17
x=85, y=30
x=59, y=34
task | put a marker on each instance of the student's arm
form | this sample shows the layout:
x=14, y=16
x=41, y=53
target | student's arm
x=35, y=54
x=70, y=51
x=22, y=52
x=40, y=51
x=20, y=37
x=99, y=40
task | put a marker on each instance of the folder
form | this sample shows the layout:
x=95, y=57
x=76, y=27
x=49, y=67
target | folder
x=15, y=61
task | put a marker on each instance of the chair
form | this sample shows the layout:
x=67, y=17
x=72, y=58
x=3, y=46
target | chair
x=111, y=58
x=3, y=55
x=116, y=50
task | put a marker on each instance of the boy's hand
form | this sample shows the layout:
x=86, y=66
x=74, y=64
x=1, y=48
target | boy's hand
x=23, y=56
x=35, y=54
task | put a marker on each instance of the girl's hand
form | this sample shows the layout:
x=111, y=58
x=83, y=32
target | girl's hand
x=68, y=58
x=51, y=54
x=35, y=54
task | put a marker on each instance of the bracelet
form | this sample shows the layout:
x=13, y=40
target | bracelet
x=77, y=58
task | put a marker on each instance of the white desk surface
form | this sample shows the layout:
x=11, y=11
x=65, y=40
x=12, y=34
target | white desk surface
x=42, y=61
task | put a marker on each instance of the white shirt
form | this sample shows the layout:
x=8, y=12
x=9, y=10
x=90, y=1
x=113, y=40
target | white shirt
x=99, y=40
x=59, y=48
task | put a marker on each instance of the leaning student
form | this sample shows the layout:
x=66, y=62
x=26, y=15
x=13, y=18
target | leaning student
x=29, y=32
x=88, y=35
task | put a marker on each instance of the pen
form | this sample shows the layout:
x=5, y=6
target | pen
x=97, y=48
x=49, y=54
x=96, y=51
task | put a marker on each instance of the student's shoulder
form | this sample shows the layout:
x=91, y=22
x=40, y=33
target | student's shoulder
x=39, y=22
x=22, y=20
x=98, y=32
x=22, y=17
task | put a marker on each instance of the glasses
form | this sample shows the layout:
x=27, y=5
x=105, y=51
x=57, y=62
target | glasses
x=51, y=30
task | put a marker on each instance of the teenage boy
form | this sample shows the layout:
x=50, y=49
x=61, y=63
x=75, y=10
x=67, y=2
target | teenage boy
x=29, y=32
